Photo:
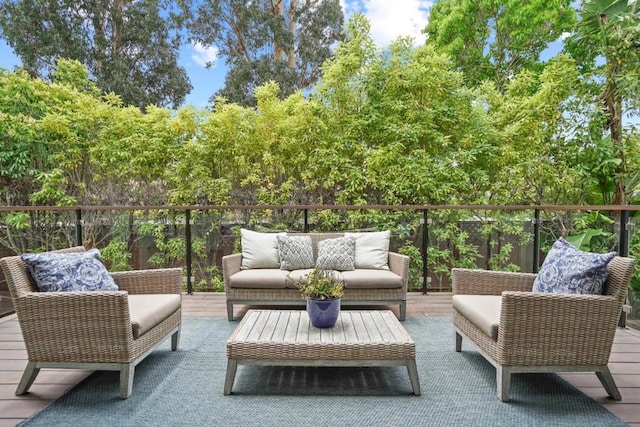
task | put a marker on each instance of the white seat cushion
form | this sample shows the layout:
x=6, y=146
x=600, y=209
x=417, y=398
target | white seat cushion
x=259, y=278
x=481, y=310
x=146, y=311
x=365, y=278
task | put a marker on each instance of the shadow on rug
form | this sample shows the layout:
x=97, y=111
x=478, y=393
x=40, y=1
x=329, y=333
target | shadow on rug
x=184, y=388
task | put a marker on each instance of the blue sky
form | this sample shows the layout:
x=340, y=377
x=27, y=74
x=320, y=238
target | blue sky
x=389, y=19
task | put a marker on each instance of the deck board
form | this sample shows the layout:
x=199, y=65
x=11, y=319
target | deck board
x=51, y=384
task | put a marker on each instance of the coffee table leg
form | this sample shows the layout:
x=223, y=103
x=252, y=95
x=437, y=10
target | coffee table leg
x=232, y=366
x=413, y=376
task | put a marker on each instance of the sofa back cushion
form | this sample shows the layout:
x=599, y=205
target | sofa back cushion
x=259, y=250
x=372, y=249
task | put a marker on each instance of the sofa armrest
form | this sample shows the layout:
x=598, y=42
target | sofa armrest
x=152, y=281
x=562, y=328
x=75, y=326
x=230, y=266
x=487, y=282
x=399, y=264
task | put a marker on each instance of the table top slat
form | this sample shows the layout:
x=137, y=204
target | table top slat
x=315, y=334
x=362, y=334
x=371, y=320
x=396, y=329
x=346, y=317
x=248, y=321
x=338, y=332
x=293, y=324
x=280, y=327
x=303, y=329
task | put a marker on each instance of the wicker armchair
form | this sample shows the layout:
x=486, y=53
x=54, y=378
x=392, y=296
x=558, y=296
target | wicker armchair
x=517, y=330
x=96, y=330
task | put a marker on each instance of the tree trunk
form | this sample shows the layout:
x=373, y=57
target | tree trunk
x=277, y=7
x=293, y=20
x=613, y=102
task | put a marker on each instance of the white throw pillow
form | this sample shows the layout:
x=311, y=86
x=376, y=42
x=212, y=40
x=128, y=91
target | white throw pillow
x=259, y=250
x=372, y=249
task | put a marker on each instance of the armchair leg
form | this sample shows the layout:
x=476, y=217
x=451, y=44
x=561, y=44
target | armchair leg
x=29, y=375
x=126, y=380
x=608, y=383
x=229, y=311
x=175, y=340
x=503, y=383
x=458, y=342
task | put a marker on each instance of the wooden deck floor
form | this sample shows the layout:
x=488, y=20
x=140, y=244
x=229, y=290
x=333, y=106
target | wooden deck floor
x=50, y=383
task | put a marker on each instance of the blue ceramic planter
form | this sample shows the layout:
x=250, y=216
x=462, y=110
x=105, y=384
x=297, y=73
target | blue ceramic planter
x=323, y=313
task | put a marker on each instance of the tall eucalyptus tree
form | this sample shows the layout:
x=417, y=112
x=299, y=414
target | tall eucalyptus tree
x=281, y=40
x=128, y=46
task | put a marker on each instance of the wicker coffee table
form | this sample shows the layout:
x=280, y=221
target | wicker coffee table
x=286, y=338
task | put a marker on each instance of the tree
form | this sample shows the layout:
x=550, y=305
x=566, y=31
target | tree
x=495, y=39
x=401, y=127
x=281, y=40
x=126, y=45
x=610, y=30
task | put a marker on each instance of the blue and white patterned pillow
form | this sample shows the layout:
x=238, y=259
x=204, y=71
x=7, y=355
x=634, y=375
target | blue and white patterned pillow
x=74, y=271
x=567, y=269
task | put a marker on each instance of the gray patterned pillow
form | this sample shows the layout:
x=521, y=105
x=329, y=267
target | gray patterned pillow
x=296, y=252
x=337, y=254
x=568, y=270
x=65, y=272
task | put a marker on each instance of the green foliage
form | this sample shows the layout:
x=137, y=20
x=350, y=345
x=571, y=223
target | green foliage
x=320, y=284
x=415, y=265
x=116, y=255
x=400, y=126
x=283, y=42
x=127, y=46
x=497, y=39
x=610, y=30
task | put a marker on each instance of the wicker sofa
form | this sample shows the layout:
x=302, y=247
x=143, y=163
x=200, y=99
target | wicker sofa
x=95, y=330
x=272, y=286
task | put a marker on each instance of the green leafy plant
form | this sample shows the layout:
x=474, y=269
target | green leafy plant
x=320, y=284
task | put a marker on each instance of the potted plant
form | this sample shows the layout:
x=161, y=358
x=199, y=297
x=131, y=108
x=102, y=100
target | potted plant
x=323, y=291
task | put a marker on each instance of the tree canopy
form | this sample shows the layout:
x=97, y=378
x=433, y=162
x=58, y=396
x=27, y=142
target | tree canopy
x=285, y=41
x=127, y=46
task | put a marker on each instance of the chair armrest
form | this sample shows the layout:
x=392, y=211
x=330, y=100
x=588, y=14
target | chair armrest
x=559, y=326
x=153, y=281
x=75, y=326
x=488, y=282
x=230, y=266
x=399, y=264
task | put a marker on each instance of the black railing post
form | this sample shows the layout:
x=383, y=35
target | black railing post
x=425, y=247
x=536, y=241
x=623, y=250
x=79, y=237
x=623, y=242
x=187, y=235
x=306, y=220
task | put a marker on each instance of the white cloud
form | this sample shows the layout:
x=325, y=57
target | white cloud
x=392, y=19
x=565, y=35
x=204, y=56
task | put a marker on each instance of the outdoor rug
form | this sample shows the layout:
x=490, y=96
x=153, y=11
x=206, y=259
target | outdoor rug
x=184, y=388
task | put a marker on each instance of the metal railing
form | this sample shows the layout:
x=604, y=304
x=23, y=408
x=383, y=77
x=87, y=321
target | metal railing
x=421, y=229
